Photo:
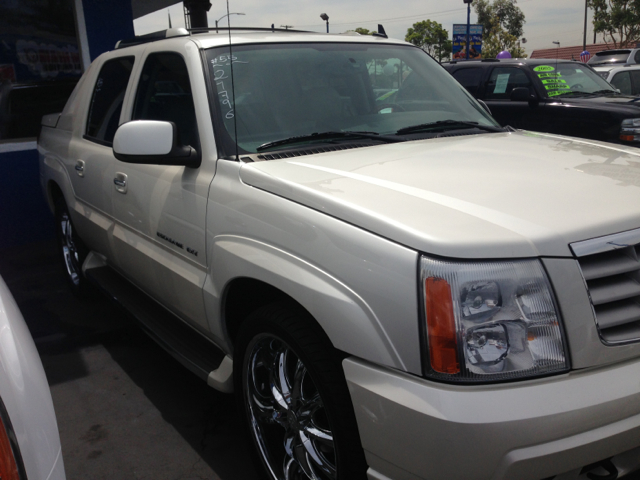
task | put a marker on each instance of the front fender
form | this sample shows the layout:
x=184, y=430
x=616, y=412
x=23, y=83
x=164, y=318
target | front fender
x=350, y=323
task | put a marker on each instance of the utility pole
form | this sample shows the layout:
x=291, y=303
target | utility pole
x=586, y=10
x=468, y=2
x=595, y=13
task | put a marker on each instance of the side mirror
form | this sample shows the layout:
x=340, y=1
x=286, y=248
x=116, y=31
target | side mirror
x=521, y=94
x=152, y=142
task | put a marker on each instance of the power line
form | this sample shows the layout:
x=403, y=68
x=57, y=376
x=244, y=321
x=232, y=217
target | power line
x=395, y=18
x=407, y=17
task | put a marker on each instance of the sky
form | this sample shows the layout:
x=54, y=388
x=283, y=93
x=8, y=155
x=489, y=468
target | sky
x=546, y=20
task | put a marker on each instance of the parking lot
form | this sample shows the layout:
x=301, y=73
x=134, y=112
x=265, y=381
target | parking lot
x=125, y=408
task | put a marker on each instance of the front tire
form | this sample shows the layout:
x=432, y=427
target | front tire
x=294, y=398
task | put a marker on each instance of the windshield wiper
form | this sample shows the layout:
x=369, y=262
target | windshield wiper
x=581, y=92
x=604, y=92
x=443, y=124
x=324, y=136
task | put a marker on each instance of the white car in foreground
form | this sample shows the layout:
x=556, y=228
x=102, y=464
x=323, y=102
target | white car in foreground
x=29, y=439
x=330, y=225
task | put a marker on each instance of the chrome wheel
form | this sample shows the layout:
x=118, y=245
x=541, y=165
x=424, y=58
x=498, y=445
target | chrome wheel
x=69, y=249
x=286, y=413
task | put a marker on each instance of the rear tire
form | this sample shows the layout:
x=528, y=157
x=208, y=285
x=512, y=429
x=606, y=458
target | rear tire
x=294, y=399
x=72, y=250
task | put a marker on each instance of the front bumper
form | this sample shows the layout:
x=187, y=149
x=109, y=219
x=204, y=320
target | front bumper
x=414, y=429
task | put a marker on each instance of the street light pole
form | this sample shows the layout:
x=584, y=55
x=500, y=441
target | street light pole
x=586, y=10
x=325, y=17
x=468, y=2
x=226, y=16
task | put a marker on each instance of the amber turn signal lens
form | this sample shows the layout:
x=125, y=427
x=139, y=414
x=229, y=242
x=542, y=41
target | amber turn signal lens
x=627, y=138
x=8, y=466
x=441, y=326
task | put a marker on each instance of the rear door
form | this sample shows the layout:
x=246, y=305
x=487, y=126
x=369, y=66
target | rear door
x=90, y=163
x=470, y=78
x=159, y=239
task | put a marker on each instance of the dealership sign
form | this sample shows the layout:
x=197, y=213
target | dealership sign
x=460, y=41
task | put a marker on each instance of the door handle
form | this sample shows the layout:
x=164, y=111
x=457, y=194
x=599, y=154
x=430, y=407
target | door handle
x=80, y=168
x=120, y=181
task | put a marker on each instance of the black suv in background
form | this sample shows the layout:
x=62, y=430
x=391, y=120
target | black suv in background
x=547, y=95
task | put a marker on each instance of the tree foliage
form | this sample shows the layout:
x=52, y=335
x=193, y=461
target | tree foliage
x=617, y=20
x=498, y=40
x=363, y=31
x=501, y=14
x=431, y=37
x=503, y=23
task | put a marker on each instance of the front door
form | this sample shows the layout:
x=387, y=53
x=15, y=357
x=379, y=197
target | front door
x=159, y=238
x=497, y=95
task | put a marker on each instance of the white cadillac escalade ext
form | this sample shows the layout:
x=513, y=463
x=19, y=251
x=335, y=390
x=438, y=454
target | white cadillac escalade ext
x=394, y=286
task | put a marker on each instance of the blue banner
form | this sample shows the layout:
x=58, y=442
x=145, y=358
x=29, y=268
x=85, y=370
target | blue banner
x=460, y=41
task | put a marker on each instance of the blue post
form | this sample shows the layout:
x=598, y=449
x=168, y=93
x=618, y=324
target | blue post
x=468, y=26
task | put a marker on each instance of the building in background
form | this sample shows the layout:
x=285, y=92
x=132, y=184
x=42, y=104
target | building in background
x=569, y=53
x=45, y=46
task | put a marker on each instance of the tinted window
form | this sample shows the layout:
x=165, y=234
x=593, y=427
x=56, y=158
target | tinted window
x=164, y=93
x=635, y=78
x=469, y=78
x=108, y=95
x=612, y=56
x=503, y=80
x=637, y=57
x=622, y=81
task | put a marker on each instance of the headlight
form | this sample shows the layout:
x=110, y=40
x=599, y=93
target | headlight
x=630, y=130
x=490, y=321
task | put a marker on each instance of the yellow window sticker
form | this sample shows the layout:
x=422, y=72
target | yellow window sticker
x=544, y=68
x=553, y=80
x=549, y=75
x=557, y=86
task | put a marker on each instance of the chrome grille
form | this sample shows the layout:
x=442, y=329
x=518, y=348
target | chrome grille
x=611, y=268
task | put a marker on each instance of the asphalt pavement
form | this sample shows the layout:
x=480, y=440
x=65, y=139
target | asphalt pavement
x=125, y=408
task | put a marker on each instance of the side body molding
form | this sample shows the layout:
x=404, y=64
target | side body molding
x=347, y=319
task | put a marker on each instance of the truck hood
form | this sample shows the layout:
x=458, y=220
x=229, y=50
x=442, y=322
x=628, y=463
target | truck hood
x=500, y=195
x=625, y=103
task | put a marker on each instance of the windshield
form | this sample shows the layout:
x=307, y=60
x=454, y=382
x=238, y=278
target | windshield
x=295, y=90
x=570, y=79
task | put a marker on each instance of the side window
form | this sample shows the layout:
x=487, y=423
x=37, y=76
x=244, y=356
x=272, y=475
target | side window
x=469, y=78
x=622, y=81
x=106, y=102
x=503, y=80
x=164, y=93
x=637, y=56
x=635, y=77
